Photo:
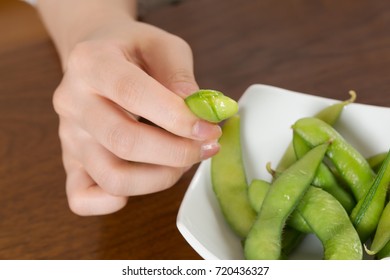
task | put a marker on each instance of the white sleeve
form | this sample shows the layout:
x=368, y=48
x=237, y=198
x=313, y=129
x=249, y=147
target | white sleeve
x=31, y=2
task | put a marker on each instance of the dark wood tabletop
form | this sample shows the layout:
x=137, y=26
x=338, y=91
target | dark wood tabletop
x=322, y=47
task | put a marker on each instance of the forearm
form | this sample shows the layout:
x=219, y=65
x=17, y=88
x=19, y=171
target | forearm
x=71, y=21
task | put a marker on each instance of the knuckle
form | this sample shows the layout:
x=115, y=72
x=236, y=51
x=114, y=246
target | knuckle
x=180, y=42
x=125, y=89
x=112, y=183
x=61, y=101
x=81, y=55
x=180, y=75
x=109, y=178
x=128, y=91
x=183, y=155
x=124, y=183
x=173, y=118
x=121, y=141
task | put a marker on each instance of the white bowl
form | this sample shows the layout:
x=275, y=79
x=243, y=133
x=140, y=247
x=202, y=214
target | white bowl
x=267, y=114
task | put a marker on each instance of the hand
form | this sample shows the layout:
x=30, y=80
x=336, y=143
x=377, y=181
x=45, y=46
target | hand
x=120, y=71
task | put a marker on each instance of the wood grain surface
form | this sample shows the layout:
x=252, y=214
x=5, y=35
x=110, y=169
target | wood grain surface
x=322, y=47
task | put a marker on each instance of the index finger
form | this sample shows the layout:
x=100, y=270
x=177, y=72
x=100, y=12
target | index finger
x=127, y=85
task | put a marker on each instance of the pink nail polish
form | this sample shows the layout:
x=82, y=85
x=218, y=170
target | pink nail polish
x=203, y=130
x=209, y=149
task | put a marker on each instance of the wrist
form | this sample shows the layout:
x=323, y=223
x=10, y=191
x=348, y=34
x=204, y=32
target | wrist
x=70, y=22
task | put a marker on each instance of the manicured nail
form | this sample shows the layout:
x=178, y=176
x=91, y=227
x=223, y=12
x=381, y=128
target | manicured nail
x=203, y=130
x=209, y=149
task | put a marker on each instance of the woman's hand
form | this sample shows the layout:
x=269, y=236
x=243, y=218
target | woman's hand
x=120, y=71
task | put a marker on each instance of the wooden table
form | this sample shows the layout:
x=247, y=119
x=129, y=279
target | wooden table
x=320, y=47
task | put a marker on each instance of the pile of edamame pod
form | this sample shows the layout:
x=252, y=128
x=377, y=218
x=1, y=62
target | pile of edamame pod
x=321, y=186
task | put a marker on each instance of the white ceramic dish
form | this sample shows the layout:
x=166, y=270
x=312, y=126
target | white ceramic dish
x=267, y=114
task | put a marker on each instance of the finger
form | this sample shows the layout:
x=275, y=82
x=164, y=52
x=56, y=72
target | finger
x=171, y=63
x=122, y=178
x=134, y=141
x=85, y=197
x=127, y=85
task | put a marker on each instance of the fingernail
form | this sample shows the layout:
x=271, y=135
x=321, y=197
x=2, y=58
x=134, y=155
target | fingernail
x=203, y=130
x=185, y=89
x=209, y=149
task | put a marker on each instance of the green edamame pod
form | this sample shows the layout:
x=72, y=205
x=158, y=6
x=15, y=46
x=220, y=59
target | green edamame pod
x=320, y=213
x=264, y=238
x=385, y=252
x=366, y=215
x=287, y=159
x=258, y=190
x=332, y=113
x=211, y=105
x=350, y=164
x=229, y=180
x=324, y=178
x=290, y=236
x=382, y=234
x=329, y=115
x=331, y=224
x=376, y=161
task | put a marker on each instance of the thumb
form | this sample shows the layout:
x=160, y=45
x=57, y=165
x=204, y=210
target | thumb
x=182, y=83
x=169, y=60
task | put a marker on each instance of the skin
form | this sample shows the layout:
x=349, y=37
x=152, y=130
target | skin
x=113, y=75
x=264, y=238
x=350, y=164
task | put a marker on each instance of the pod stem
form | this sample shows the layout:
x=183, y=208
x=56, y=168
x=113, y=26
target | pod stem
x=368, y=251
x=270, y=170
x=352, y=99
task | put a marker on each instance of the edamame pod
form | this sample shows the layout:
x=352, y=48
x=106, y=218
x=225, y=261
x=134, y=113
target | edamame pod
x=211, y=105
x=331, y=224
x=376, y=161
x=351, y=165
x=367, y=213
x=264, y=238
x=229, y=180
x=330, y=115
x=385, y=252
x=324, y=178
x=258, y=190
x=382, y=234
x=320, y=213
x=291, y=237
